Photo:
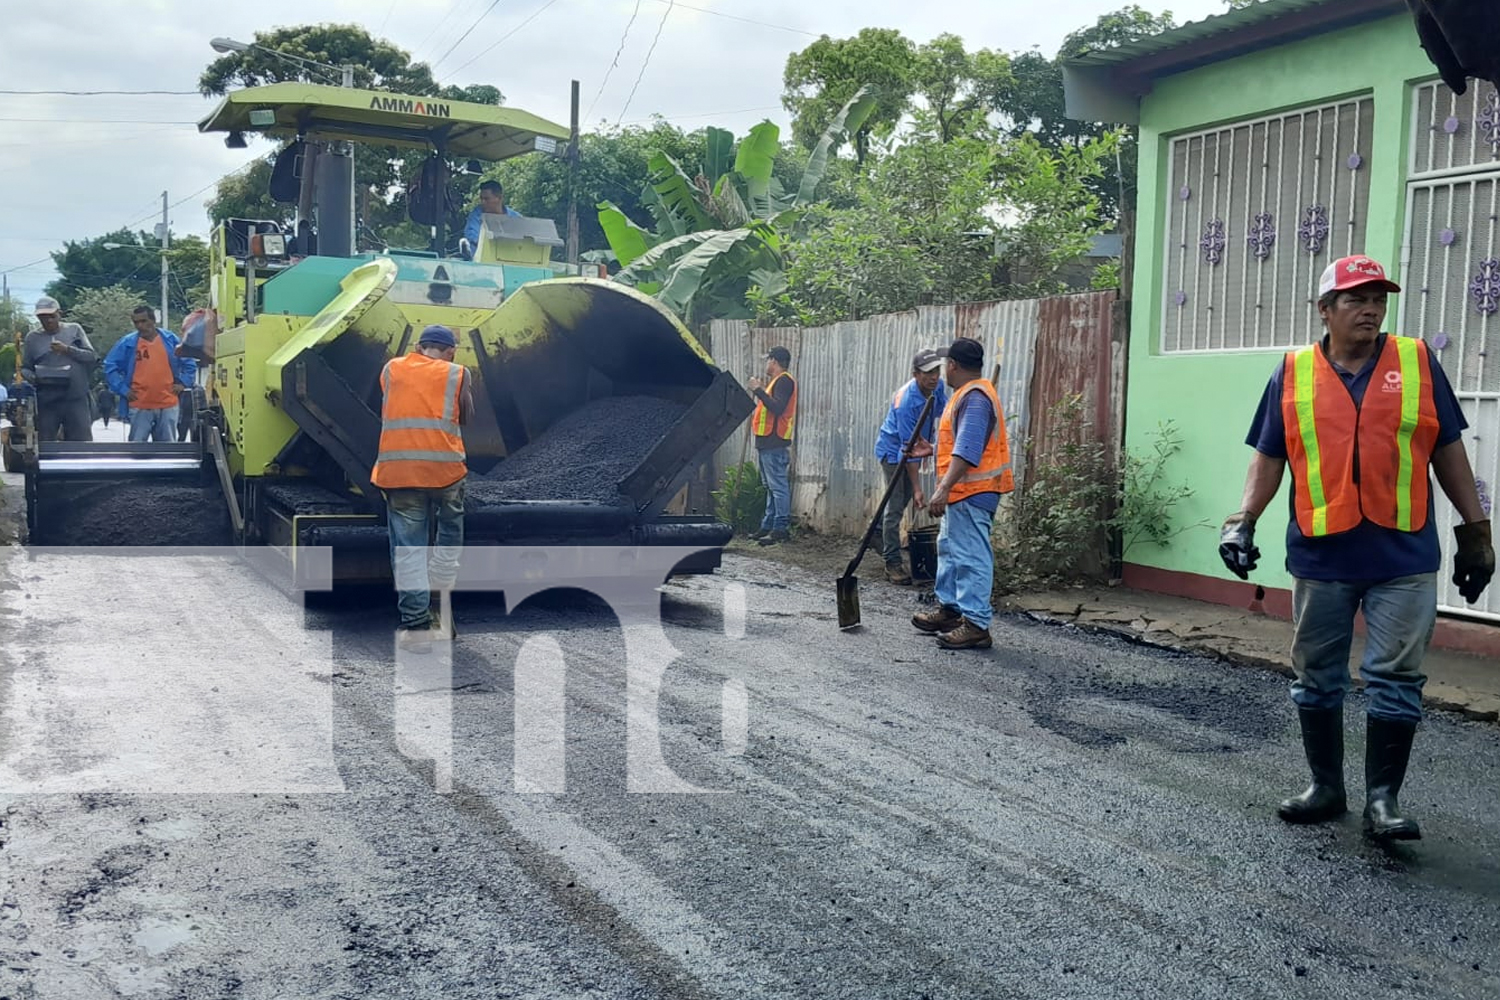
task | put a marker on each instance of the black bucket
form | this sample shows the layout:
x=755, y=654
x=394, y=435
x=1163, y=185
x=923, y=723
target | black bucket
x=922, y=543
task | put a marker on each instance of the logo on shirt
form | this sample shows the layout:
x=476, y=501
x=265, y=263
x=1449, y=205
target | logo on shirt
x=1392, y=382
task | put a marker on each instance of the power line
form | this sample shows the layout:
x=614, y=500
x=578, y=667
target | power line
x=706, y=114
x=387, y=17
x=503, y=37
x=470, y=28
x=747, y=20
x=616, y=62
x=436, y=27
x=647, y=61
x=97, y=121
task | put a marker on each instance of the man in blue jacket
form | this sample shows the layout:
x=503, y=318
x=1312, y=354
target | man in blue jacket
x=900, y=420
x=491, y=202
x=145, y=372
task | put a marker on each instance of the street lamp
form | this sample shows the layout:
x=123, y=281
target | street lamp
x=346, y=71
x=163, y=253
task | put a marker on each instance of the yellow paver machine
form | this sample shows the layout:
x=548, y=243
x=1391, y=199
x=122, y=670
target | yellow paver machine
x=596, y=407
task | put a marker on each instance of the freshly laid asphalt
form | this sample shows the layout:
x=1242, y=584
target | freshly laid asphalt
x=208, y=791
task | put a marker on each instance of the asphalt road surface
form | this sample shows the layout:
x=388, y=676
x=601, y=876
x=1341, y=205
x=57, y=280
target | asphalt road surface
x=207, y=791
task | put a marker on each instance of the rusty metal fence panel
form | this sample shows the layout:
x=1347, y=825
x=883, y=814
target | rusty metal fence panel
x=847, y=372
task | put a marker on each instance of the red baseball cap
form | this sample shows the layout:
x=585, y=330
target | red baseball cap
x=1352, y=272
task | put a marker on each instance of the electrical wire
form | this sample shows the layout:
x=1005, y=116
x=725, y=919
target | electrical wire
x=747, y=20
x=387, y=17
x=470, y=28
x=647, y=61
x=615, y=62
x=454, y=9
x=502, y=38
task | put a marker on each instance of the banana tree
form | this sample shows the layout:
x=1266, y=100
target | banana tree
x=719, y=233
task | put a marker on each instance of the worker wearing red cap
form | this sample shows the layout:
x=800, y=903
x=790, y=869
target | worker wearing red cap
x=1361, y=418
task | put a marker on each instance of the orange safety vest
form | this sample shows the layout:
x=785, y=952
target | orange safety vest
x=1351, y=463
x=762, y=423
x=421, y=446
x=992, y=474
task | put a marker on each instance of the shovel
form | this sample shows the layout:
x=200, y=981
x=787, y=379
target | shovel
x=848, y=584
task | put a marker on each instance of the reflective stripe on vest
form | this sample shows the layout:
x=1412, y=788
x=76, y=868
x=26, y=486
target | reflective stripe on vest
x=1370, y=462
x=761, y=422
x=993, y=473
x=421, y=443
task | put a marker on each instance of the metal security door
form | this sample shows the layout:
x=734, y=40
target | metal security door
x=1450, y=277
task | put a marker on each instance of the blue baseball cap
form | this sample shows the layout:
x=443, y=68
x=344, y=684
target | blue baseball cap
x=439, y=335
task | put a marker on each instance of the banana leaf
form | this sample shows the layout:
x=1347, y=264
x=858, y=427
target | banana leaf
x=677, y=196
x=656, y=263
x=720, y=158
x=850, y=119
x=626, y=239
x=730, y=253
x=754, y=161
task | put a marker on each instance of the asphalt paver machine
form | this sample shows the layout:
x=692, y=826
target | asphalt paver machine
x=595, y=405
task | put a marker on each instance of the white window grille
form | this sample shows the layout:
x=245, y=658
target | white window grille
x=1453, y=134
x=1255, y=211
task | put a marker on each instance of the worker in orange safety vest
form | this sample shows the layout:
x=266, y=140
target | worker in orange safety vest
x=1362, y=418
x=773, y=423
x=421, y=469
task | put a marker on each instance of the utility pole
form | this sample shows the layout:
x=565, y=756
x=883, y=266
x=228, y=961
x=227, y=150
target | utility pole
x=166, y=242
x=573, y=185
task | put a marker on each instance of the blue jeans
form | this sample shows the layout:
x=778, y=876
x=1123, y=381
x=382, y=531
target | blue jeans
x=1399, y=617
x=775, y=467
x=417, y=516
x=153, y=425
x=966, y=562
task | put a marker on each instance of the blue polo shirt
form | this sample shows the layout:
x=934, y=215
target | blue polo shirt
x=972, y=426
x=901, y=419
x=1369, y=551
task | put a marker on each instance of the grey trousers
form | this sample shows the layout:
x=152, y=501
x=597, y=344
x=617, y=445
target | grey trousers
x=890, y=526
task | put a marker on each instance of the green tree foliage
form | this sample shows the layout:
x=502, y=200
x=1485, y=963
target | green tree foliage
x=719, y=235
x=822, y=78
x=381, y=172
x=86, y=264
x=924, y=227
x=104, y=314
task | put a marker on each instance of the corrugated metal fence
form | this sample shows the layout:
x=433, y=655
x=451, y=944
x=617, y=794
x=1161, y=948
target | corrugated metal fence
x=847, y=372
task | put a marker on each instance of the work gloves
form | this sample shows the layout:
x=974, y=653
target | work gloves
x=1237, y=544
x=1474, y=563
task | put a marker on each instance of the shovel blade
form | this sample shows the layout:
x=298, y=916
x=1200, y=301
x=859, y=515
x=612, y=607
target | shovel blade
x=848, y=596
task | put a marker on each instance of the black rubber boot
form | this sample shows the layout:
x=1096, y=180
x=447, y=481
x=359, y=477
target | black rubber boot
x=1387, y=751
x=1323, y=742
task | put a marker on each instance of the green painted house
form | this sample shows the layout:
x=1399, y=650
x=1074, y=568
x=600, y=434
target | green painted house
x=1273, y=140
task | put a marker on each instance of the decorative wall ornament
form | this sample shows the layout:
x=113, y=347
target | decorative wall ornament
x=1489, y=121
x=1262, y=235
x=1180, y=298
x=1440, y=341
x=1356, y=161
x=1213, y=241
x=1185, y=193
x=1452, y=125
x=1447, y=237
x=1313, y=230
x=1485, y=288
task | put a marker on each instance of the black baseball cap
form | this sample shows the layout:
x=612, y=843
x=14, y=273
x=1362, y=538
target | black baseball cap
x=780, y=355
x=967, y=353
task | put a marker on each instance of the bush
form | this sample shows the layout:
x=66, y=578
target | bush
x=1057, y=528
x=740, y=500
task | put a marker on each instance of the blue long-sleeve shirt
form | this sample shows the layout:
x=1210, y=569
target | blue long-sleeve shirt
x=901, y=419
x=119, y=366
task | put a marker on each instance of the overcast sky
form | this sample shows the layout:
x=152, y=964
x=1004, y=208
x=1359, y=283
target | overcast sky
x=79, y=166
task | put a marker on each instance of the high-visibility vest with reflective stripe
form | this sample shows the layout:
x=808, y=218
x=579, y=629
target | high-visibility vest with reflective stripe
x=764, y=425
x=1352, y=463
x=421, y=445
x=992, y=474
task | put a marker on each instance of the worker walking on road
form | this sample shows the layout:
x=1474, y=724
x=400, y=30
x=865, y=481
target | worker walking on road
x=773, y=423
x=57, y=360
x=145, y=371
x=973, y=467
x=421, y=467
x=900, y=421
x=1362, y=418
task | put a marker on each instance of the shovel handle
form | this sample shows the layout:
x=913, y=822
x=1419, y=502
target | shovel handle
x=890, y=487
